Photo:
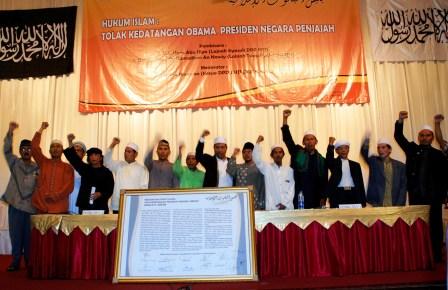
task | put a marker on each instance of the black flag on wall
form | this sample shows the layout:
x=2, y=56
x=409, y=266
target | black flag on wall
x=37, y=43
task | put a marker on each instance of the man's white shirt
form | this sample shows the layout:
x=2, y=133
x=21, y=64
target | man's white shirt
x=346, y=179
x=127, y=176
x=279, y=182
x=224, y=179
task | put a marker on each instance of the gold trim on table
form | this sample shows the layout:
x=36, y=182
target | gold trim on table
x=44, y=222
x=280, y=219
x=87, y=223
x=327, y=217
x=67, y=223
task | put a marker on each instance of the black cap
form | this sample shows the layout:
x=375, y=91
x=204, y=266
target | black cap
x=94, y=150
x=25, y=142
x=248, y=145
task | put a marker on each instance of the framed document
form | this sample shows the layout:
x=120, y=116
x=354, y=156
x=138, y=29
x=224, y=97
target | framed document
x=186, y=235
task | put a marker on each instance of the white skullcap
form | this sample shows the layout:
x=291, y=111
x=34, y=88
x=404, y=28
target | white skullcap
x=80, y=144
x=220, y=140
x=56, y=141
x=384, y=141
x=309, y=132
x=276, y=146
x=132, y=146
x=191, y=154
x=427, y=127
x=340, y=143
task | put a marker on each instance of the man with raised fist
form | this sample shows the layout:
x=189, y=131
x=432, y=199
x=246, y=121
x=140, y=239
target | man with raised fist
x=17, y=195
x=55, y=181
x=426, y=173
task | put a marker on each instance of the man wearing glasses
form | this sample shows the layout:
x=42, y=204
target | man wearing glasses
x=18, y=194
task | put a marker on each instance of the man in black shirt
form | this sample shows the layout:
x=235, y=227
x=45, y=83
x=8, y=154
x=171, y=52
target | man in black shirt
x=310, y=169
x=97, y=182
x=426, y=174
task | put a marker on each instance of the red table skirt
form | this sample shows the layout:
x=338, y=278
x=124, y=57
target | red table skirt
x=339, y=251
x=293, y=252
x=76, y=256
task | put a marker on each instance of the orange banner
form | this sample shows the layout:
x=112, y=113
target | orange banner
x=152, y=54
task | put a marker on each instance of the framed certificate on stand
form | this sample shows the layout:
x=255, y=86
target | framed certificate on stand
x=186, y=235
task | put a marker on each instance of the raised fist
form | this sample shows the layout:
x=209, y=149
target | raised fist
x=438, y=118
x=403, y=115
x=44, y=125
x=12, y=126
x=205, y=133
x=236, y=151
x=367, y=135
x=115, y=141
x=260, y=139
x=71, y=137
x=286, y=113
x=331, y=140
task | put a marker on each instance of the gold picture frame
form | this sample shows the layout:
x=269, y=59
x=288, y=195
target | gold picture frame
x=186, y=235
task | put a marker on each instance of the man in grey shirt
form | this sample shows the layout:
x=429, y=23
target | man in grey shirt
x=247, y=174
x=18, y=194
x=161, y=171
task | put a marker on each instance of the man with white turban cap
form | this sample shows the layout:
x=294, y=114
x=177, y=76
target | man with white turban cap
x=340, y=143
x=310, y=169
x=387, y=176
x=129, y=174
x=55, y=180
x=346, y=185
x=133, y=146
x=427, y=183
x=80, y=149
x=215, y=166
x=278, y=178
x=189, y=176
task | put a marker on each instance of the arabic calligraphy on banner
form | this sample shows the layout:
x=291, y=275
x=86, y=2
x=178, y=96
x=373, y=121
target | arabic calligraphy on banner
x=281, y=3
x=149, y=54
x=35, y=43
x=404, y=30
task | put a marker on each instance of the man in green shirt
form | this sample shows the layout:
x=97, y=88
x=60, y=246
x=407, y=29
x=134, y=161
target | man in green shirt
x=189, y=176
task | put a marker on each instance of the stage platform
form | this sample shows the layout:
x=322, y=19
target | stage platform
x=433, y=279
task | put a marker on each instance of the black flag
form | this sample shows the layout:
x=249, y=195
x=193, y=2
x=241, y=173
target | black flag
x=37, y=43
